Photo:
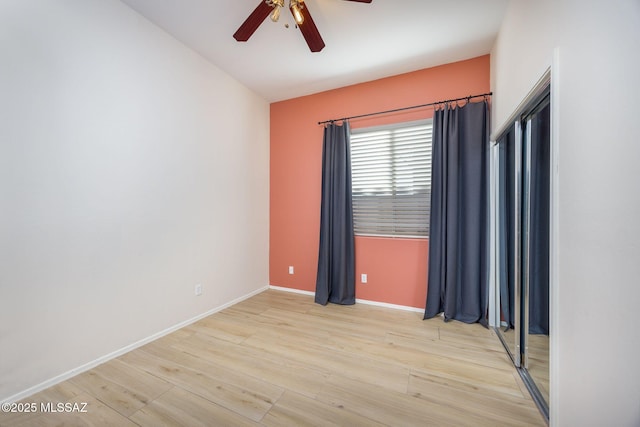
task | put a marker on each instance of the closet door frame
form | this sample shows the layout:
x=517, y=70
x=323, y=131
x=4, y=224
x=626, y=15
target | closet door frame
x=518, y=246
x=520, y=123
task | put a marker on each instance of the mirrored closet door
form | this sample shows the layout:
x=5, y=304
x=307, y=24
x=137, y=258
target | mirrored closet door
x=522, y=210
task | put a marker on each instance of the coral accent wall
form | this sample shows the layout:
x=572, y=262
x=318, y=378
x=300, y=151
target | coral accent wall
x=396, y=268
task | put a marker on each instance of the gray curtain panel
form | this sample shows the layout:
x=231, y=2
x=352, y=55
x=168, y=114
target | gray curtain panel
x=458, y=250
x=539, y=227
x=335, y=281
x=506, y=227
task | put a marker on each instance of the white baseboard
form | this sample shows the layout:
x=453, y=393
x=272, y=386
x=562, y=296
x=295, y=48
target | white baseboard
x=294, y=291
x=359, y=301
x=90, y=365
x=389, y=305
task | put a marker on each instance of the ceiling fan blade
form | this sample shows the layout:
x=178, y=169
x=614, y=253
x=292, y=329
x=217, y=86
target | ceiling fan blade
x=310, y=31
x=251, y=24
x=361, y=1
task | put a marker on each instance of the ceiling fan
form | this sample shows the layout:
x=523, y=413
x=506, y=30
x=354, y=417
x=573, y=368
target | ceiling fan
x=300, y=14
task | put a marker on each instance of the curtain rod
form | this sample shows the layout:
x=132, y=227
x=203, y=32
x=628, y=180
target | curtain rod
x=468, y=98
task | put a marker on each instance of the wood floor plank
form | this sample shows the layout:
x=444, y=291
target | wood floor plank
x=289, y=302
x=285, y=373
x=250, y=402
x=475, y=376
x=206, y=366
x=390, y=407
x=380, y=350
x=121, y=386
x=234, y=332
x=480, y=338
x=376, y=317
x=138, y=381
x=323, y=324
x=325, y=357
x=297, y=324
x=295, y=410
x=180, y=408
x=116, y=396
x=459, y=350
x=493, y=408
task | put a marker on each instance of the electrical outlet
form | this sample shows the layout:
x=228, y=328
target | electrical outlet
x=363, y=278
x=198, y=290
x=291, y=269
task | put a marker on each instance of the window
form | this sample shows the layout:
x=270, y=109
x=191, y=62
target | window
x=391, y=179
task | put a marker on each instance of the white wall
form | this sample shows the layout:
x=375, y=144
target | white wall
x=595, y=377
x=130, y=170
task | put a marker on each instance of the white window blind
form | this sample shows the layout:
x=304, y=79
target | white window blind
x=391, y=179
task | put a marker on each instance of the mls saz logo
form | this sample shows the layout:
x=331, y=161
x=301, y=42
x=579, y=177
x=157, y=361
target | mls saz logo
x=63, y=407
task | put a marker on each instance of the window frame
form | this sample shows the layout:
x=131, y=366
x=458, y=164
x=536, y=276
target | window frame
x=393, y=167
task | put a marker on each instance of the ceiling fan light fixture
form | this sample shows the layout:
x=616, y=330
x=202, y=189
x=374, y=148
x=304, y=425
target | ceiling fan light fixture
x=275, y=15
x=296, y=9
x=276, y=5
x=274, y=8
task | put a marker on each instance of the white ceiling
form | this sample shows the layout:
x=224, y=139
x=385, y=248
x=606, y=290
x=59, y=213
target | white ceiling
x=363, y=41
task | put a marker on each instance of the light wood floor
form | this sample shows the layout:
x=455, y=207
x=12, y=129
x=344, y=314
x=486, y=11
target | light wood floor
x=279, y=359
